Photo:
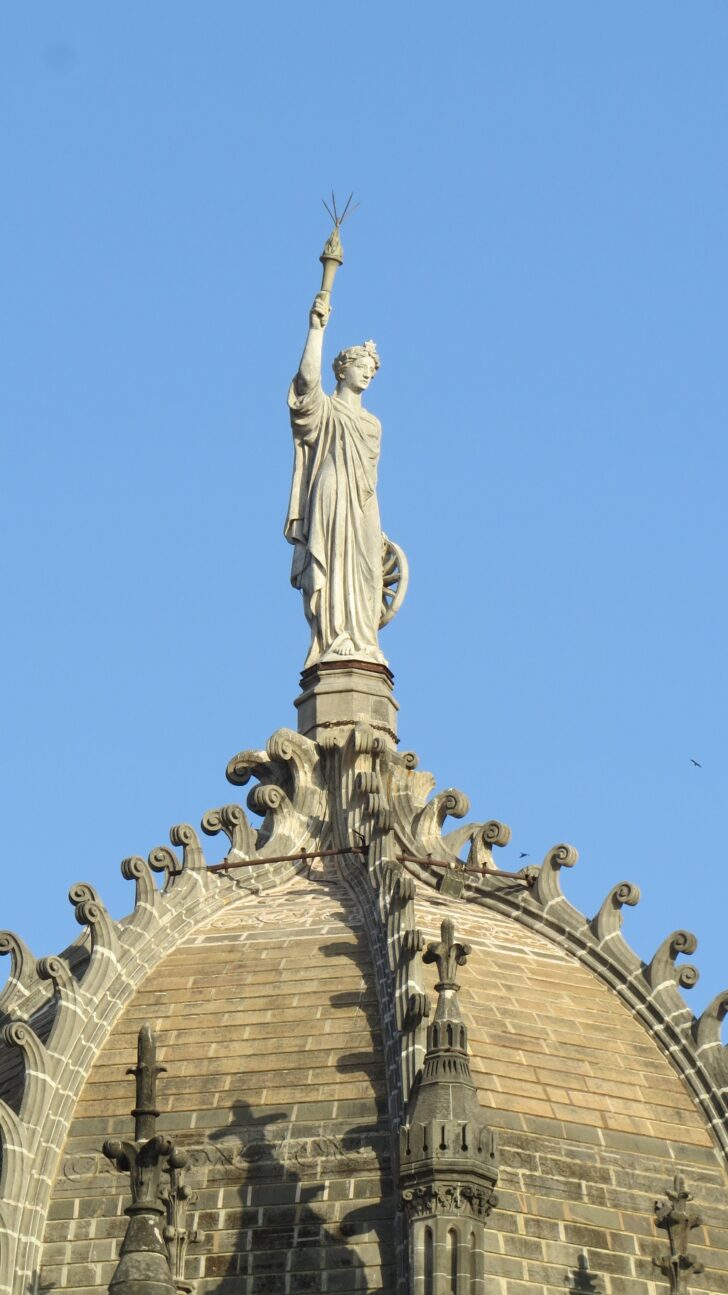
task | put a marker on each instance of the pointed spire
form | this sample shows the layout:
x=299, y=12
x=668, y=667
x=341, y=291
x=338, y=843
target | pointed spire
x=448, y=1163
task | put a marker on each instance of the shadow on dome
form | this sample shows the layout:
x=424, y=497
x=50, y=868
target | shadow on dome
x=374, y=1136
x=283, y=1242
x=581, y=1280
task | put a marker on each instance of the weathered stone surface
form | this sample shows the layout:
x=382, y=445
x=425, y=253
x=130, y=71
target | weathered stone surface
x=351, y=575
x=270, y=1025
x=555, y=1048
x=335, y=697
x=303, y=981
x=283, y=1123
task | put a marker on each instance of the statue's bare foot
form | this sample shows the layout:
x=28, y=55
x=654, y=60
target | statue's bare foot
x=343, y=646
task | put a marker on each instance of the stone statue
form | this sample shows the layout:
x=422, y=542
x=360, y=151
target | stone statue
x=351, y=575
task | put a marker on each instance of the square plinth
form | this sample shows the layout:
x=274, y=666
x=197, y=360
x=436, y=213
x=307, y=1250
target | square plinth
x=334, y=697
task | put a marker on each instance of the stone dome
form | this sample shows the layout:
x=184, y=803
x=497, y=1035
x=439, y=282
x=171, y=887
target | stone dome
x=291, y=1002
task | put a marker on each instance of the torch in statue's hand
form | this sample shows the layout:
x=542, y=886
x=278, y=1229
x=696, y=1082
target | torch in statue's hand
x=333, y=254
x=320, y=311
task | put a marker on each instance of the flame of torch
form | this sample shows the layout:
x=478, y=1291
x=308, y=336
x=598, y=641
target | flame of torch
x=333, y=254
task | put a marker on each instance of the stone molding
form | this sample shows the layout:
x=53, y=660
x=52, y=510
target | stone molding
x=430, y=1199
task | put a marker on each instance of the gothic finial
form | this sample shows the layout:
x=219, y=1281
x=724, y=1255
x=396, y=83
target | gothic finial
x=146, y=1070
x=448, y=955
x=144, y=1261
x=678, y=1221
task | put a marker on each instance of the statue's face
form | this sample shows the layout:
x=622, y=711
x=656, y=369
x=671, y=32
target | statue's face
x=358, y=373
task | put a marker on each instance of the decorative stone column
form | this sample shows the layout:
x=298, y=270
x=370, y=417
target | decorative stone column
x=447, y=1155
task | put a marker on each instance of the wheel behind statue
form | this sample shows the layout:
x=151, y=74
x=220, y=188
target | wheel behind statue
x=395, y=578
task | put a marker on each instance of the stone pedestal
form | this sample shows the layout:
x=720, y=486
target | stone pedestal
x=336, y=696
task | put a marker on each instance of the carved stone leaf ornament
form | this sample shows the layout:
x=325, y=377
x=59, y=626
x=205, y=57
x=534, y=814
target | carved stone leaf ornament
x=434, y=1198
x=448, y=954
x=179, y=1199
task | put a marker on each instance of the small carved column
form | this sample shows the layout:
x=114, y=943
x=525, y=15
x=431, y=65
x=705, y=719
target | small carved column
x=447, y=1155
x=144, y=1259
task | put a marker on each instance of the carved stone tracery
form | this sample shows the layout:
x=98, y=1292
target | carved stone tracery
x=429, y=1199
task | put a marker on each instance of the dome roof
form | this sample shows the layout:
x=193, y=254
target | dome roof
x=290, y=1000
x=267, y=1022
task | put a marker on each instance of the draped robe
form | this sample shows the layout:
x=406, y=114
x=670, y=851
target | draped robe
x=333, y=523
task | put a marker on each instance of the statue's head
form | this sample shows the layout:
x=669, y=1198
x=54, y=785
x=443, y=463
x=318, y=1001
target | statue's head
x=355, y=367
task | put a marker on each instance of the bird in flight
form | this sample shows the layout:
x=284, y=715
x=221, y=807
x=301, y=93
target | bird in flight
x=523, y=854
x=697, y=763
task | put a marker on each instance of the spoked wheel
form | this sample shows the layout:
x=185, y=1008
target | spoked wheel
x=395, y=577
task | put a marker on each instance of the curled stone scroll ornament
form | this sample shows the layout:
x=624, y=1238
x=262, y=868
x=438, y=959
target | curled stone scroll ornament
x=264, y=798
x=162, y=859
x=427, y=828
x=193, y=859
x=608, y=920
x=136, y=869
x=58, y=972
x=547, y=888
x=707, y=1030
x=22, y=972
x=662, y=969
x=90, y=912
x=233, y=821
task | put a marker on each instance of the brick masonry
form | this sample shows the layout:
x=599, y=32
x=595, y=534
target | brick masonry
x=268, y=1023
x=593, y=1122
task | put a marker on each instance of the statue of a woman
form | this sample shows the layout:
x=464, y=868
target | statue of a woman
x=333, y=515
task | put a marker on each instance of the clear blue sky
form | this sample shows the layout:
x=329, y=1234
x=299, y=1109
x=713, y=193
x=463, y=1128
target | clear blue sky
x=541, y=255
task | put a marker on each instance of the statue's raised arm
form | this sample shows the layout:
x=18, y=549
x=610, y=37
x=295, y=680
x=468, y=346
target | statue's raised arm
x=351, y=576
x=309, y=370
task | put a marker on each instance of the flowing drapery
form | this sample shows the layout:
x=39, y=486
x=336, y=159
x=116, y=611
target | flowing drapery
x=333, y=523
